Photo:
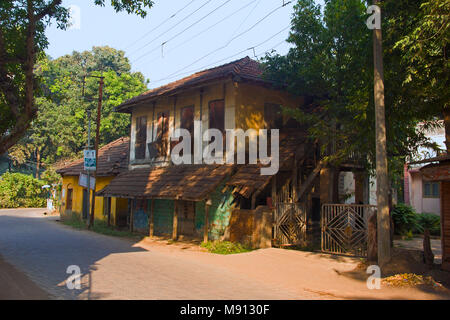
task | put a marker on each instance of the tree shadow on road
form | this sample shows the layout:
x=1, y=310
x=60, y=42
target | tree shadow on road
x=43, y=250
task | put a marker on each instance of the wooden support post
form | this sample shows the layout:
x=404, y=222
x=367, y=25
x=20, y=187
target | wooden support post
x=151, y=218
x=175, y=221
x=295, y=182
x=205, y=231
x=132, y=203
x=274, y=190
x=253, y=201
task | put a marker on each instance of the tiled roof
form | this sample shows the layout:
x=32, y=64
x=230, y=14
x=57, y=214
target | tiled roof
x=244, y=68
x=112, y=159
x=182, y=182
x=248, y=178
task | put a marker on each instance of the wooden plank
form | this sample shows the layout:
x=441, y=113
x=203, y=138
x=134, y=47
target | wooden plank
x=152, y=218
x=132, y=203
x=206, y=227
x=175, y=221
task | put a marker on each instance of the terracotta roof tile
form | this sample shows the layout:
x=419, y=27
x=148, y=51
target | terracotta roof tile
x=183, y=182
x=112, y=159
x=248, y=178
x=244, y=68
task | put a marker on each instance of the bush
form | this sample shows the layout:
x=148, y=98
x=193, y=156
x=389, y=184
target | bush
x=405, y=219
x=21, y=190
x=429, y=221
x=224, y=247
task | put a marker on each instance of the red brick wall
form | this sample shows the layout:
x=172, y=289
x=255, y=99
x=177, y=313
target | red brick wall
x=445, y=220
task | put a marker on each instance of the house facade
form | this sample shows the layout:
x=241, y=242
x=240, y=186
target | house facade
x=222, y=201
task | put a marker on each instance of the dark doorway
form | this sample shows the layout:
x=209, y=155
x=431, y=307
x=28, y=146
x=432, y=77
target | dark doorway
x=186, y=218
x=69, y=199
x=85, y=204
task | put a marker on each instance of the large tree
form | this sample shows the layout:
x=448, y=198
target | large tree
x=22, y=40
x=332, y=62
x=60, y=128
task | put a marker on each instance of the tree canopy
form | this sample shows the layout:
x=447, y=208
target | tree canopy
x=331, y=62
x=22, y=41
x=60, y=128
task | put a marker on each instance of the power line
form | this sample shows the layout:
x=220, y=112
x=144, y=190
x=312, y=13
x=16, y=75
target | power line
x=232, y=56
x=208, y=28
x=159, y=25
x=171, y=28
x=182, y=31
x=232, y=39
x=215, y=24
x=243, y=21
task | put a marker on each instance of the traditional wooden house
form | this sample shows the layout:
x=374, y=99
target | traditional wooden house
x=112, y=160
x=219, y=200
x=439, y=171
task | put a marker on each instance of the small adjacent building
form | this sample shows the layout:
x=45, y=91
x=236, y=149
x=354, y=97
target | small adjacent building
x=112, y=160
x=439, y=171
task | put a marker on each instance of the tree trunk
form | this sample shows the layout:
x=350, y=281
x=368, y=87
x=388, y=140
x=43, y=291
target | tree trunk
x=372, y=243
x=447, y=128
x=38, y=163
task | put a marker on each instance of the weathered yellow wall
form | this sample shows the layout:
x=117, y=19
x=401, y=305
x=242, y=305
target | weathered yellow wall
x=250, y=100
x=77, y=198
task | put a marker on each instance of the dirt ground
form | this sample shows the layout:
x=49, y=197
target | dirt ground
x=15, y=285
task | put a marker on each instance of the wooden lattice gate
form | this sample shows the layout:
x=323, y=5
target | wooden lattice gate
x=344, y=228
x=289, y=224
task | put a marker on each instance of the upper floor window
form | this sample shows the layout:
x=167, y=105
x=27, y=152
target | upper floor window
x=431, y=189
x=187, y=122
x=217, y=115
x=187, y=119
x=162, y=133
x=141, y=137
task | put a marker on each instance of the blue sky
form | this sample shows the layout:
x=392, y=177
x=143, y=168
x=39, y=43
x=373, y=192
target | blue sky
x=194, y=42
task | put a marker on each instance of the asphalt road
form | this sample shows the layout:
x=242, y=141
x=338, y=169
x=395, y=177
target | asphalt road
x=39, y=249
x=111, y=267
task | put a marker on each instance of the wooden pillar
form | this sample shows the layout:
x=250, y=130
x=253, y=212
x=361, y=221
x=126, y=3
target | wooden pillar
x=175, y=221
x=359, y=187
x=151, y=219
x=253, y=201
x=206, y=227
x=274, y=190
x=295, y=181
x=132, y=204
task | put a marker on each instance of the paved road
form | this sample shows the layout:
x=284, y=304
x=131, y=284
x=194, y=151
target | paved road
x=111, y=267
x=114, y=268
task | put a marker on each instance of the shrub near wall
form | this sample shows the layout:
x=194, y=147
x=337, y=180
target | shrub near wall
x=407, y=221
x=21, y=190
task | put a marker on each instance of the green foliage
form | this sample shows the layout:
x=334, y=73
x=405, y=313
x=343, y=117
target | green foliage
x=22, y=43
x=405, y=219
x=60, y=129
x=331, y=62
x=429, y=221
x=20, y=190
x=225, y=247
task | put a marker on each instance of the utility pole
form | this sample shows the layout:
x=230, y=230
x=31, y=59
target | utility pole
x=97, y=141
x=88, y=147
x=89, y=171
x=383, y=219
